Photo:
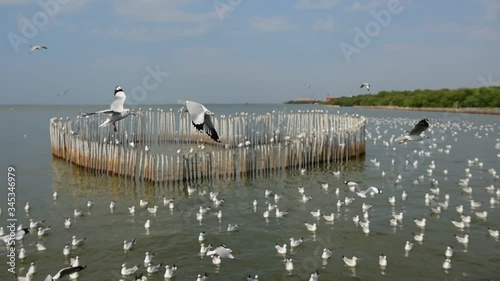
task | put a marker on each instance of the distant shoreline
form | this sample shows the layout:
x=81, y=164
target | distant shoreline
x=468, y=110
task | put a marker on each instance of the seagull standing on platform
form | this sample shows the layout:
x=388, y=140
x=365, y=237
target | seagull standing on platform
x=116, y=111
x=414, y=134
x=201, y=118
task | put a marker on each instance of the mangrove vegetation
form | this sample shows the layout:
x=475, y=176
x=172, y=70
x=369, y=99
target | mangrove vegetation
x=454, y=98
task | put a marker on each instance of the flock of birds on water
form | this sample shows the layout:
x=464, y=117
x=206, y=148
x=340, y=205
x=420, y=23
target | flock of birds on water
x=347, y=194
x=349, y=197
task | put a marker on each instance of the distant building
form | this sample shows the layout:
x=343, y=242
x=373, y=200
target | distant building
x=327, y=99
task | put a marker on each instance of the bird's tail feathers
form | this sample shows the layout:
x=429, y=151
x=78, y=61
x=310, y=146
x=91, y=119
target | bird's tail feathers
x=105, y=123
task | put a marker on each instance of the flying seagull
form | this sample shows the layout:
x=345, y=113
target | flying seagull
x=365, y=85
x=116, y=111
x=62, y=94
x=36, y=48
x=414, y=134
x=201, y=118
x=63, y=272
x=308, y=85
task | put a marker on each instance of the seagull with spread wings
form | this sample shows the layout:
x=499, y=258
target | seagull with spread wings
x=201, y=118
x=116, y=111
x=415, y=133
x=36, y=48
x=365, y=85
x=64, y=271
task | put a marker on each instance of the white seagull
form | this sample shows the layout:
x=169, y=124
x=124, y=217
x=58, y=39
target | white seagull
x=414, y=134
x=170, y=271
x=116, y=110
x=129, y=271
x=65, y=271
x=201, y=118
x=223, y=251
x=352, y=262
x=365, y=85
x=37, y=47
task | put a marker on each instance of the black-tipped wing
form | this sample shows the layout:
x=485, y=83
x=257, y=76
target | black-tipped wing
x=421, y=126
x=68, y=270
x=208, y=127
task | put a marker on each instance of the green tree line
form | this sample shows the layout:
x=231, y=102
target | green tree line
x=455, y=98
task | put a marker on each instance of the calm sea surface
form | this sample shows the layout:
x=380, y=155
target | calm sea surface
x=173, y=237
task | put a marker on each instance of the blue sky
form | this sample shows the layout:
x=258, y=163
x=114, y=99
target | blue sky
x=237, y=51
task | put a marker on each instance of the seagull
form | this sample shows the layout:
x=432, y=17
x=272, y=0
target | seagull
x=382, y=260
x=414, y=134
x=203, y=277
x=63, y=93
x=153, y=268
x=449, y=252
x=289, y=265
x=296, y=242
x=447, y=264
x=201, y=118
x=170, y=271
x=232, y=227
x=65, y=271
x=327, y=253
x=250, y=278
x=314, y=276
x=116, y=110
x=19, y=235
x=280, y=249
x=308, y=85
x=223, y=251
x=36, y=48
x=365, y=85
x=216, y=259
x=352, y=262
x=148, y=258
x=129, y=271
x=371, y=189
x=77, y=242
x=128, y=245
x=311, y=227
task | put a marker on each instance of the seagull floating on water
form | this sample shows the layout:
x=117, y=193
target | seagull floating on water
x=223, y=251
x=116, y=111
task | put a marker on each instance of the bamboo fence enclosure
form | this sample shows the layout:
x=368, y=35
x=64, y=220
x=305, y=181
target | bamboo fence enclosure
x=163, y=146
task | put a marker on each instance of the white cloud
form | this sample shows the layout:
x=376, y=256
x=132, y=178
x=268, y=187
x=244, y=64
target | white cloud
x=316, y=4
x=323, y=24
x=155, y=34
x=357, y=6
x=163, y=11
x=16, y=2
x=271, y=24
x=66, y=7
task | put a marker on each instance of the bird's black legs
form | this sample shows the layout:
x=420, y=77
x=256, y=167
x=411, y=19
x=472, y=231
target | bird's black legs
x=114, y=125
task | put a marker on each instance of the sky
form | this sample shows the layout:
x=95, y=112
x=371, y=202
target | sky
x=238, y=51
